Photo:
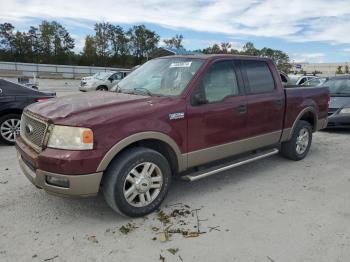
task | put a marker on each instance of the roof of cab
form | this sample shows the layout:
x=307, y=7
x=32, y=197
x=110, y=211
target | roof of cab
x=218, y=56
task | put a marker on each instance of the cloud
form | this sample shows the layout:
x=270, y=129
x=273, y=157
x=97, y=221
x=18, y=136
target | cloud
x=308, y=57
x=294, y=21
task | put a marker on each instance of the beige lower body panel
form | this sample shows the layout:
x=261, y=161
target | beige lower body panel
x=207, y=155
x=79, y=185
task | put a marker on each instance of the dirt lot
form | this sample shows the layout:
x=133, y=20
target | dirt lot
x=271, y=210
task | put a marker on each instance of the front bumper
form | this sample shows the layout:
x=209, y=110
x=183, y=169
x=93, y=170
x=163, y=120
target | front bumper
x=79, y=185
x=339, y=121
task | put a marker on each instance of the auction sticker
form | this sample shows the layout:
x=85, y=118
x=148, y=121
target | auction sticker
x=180, y=64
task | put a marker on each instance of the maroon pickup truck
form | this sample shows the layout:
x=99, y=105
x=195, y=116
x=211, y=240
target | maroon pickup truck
x=186, y=116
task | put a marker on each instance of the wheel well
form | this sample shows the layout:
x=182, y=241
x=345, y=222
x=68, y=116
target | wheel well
x=310, y=117
x=11, y=111
x=104, y=86
x=159, y=146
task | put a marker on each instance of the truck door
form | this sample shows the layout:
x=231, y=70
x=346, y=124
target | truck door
x=265, y=101
x=216, y=114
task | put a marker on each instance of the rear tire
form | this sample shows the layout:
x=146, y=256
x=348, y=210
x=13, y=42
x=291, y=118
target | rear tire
x=9, y=128
x=136, y=182
x=102, y=88
x=299, y=145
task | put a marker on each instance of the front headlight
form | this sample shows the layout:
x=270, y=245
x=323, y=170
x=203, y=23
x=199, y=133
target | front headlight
x=71, y=138
x=345, y=111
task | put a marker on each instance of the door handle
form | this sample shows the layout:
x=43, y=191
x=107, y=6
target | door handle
x=278, y=102
x=241, y=109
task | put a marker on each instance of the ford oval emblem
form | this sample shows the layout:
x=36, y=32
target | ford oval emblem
x=29, y=129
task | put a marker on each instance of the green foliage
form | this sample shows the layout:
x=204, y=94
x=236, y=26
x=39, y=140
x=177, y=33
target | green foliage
x=339, y=70
x=110, y=45
x=346, y=69
x=280, y=58
x=174, y=42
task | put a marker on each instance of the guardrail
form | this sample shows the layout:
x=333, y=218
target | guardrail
x=14, y=69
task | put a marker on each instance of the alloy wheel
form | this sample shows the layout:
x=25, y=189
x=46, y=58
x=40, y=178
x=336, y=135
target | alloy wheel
x=10, y=128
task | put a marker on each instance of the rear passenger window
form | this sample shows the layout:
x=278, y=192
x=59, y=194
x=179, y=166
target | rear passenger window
x=259, y=77
x=220, y=82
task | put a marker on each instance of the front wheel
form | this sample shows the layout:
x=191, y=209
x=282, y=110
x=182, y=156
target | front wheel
x=299, y=145
x=136, y=182
x=9, y=128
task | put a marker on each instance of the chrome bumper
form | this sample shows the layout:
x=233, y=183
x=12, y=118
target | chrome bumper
x=79, y=185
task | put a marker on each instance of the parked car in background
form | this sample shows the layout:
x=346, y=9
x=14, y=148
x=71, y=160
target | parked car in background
x=102, y=81
x=171, y=117
x=339, y=109
x=317, y=81
x=305, y=78
x=13, y=99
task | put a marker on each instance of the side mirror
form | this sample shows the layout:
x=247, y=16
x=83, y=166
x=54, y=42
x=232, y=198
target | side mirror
x=199, y=99
x=110, y=79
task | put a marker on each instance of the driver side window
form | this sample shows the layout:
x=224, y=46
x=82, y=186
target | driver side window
x=220, y=82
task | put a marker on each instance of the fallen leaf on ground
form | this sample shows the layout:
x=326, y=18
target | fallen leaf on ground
x=161, y=258
x=173, y=250
x=163, y=237
x=126, y=229
x=92, y=239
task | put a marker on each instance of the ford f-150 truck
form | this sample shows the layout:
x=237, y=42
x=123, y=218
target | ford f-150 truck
x=185, y=116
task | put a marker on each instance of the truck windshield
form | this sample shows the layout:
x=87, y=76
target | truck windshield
x=338, y=87
x=163, y=77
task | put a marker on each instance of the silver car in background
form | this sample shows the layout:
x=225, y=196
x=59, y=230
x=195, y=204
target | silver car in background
x=101, y=81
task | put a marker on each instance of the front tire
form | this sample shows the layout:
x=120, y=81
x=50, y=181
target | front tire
x=299, y=145
x=136, y=182
x=102, y=88
x=9, y=128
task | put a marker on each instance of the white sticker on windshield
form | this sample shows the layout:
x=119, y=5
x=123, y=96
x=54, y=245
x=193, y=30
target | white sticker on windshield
x=180, y=64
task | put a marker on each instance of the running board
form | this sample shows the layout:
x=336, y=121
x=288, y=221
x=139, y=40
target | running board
x=223, y=167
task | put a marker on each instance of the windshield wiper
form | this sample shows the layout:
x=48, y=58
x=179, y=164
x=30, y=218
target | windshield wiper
x=144, y=90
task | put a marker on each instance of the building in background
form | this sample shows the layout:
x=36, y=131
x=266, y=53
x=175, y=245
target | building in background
x=326, y=69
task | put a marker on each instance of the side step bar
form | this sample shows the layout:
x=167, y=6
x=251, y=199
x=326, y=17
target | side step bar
x=223, y=167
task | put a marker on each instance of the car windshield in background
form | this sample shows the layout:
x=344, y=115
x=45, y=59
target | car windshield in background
x=102, y=75
x=338, y=87
x=315, y=81
x=163, y=77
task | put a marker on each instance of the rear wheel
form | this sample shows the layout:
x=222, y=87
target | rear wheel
x=299, y=145
x=9, y=128
x=102, y=88
x=137, y=181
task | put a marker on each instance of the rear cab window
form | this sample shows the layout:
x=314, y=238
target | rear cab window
x=258, y=77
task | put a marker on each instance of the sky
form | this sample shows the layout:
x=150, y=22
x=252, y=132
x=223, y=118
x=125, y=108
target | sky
x=307, y=30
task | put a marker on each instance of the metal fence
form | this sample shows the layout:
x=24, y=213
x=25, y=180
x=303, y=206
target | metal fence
x=13, y=69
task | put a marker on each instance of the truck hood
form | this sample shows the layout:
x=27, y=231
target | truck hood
x=82, y=106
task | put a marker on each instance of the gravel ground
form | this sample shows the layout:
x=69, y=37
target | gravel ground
x=270, y=210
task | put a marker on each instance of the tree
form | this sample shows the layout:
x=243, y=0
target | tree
x=249, y=49
x=339, y=70
x=7, y=37
x=346, y=69
x=225, y=47
x=174, y=42
x=118, y=40
x=102, y=38
x=89, y=51
x=280, y=58
x=142, y=41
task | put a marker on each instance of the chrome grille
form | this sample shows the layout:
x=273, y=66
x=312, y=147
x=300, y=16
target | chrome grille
x=33, y=131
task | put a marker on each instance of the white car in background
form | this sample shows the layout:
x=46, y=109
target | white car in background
x=101, y=81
